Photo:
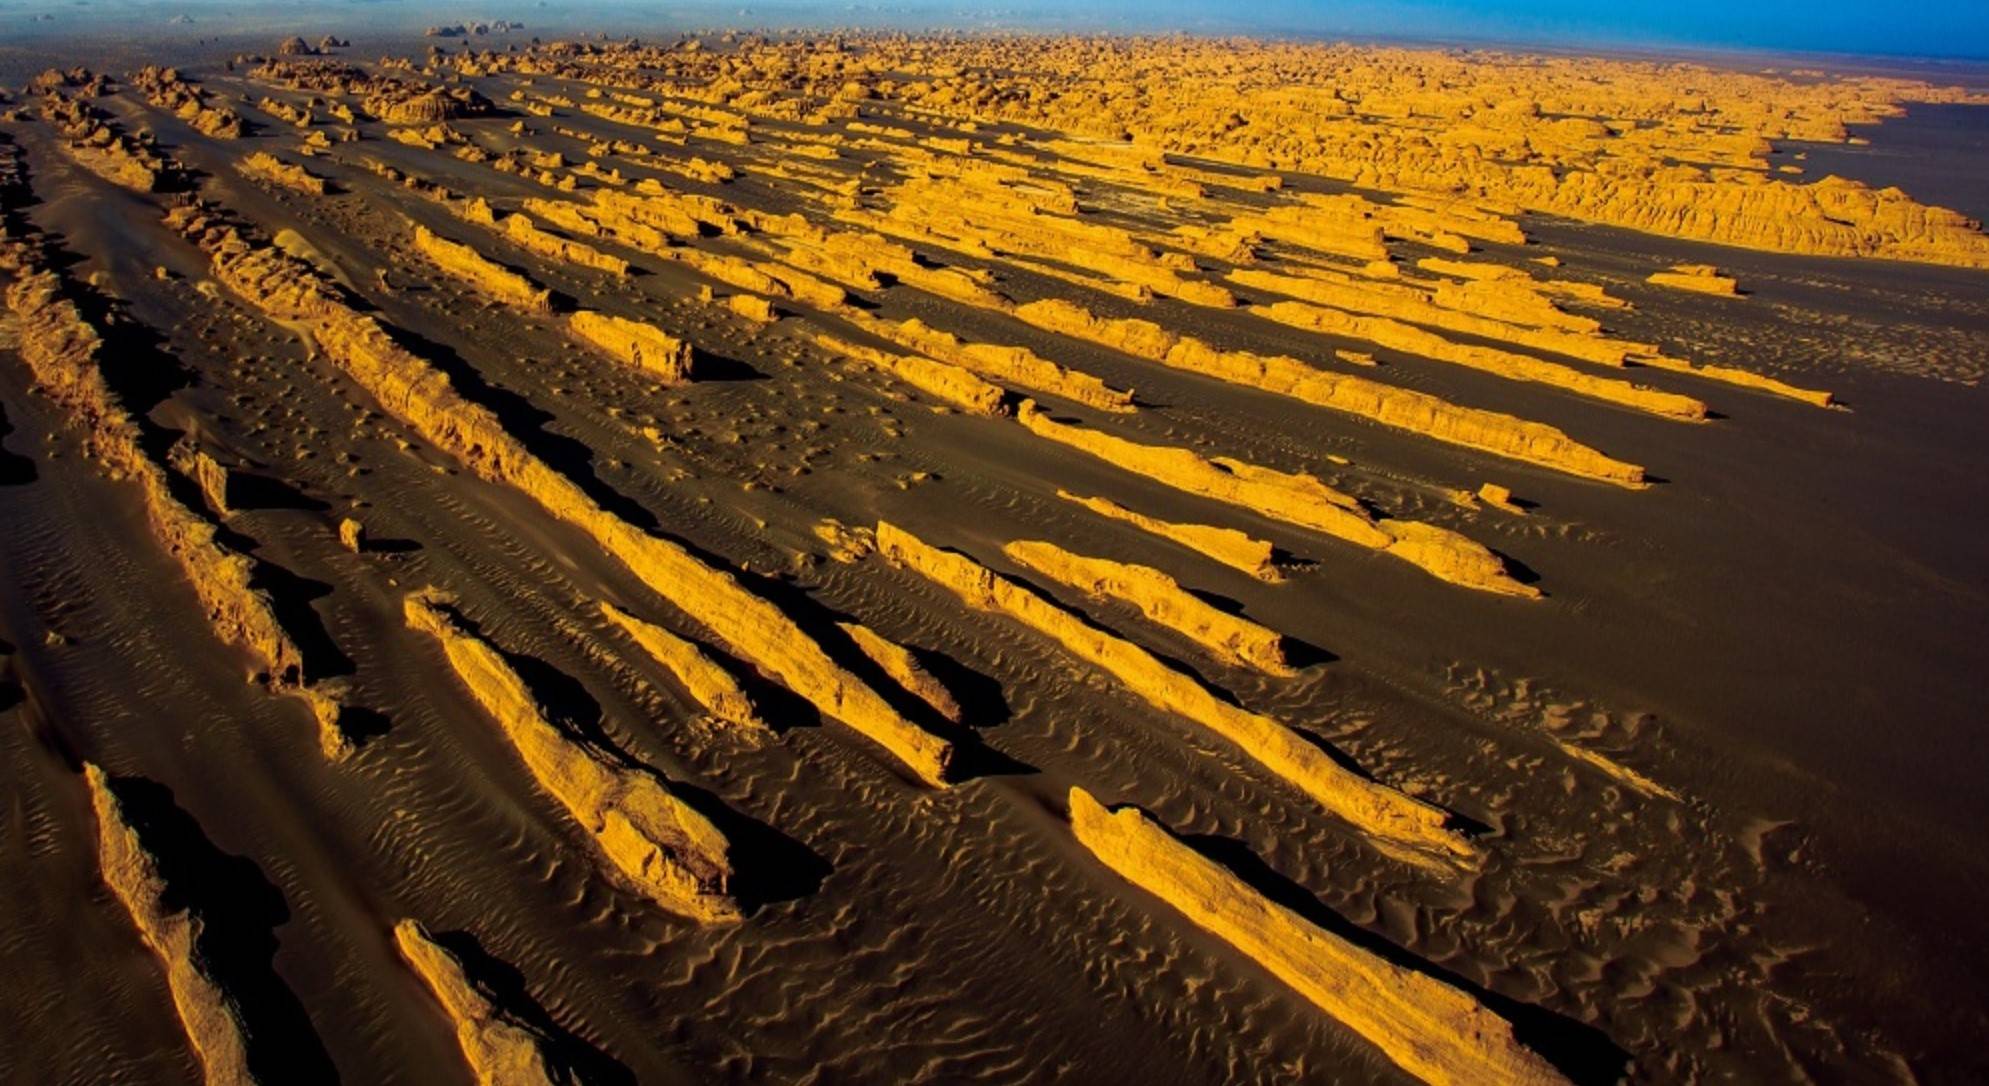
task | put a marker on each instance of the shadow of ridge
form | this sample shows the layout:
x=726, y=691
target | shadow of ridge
x=980, y=697
x=248, y=491
x=526, y=424
x=1580, y=1051
x=1516, y=569
x=711, y=366
x=290, y=596
x=818, y=623
x=572, y=1059
x=136, y=366
x=239, y=910
x=769, y=866
x=15, y=469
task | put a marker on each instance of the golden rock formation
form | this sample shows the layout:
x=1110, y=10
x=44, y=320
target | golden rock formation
x=206, y=472
x=1499, y=497
x=174, y=93
x=673, y=854
x=1404, y=826
x=61, y=349
x=1406, y=409
x=752, y=307
x=268, y=167
x=904, y=669
x=1295, y=498
x=501, y=1049
x=1226, y=545
x=1161, y=599
x=1697, y=278
x=1400, y=336
x=1017, y=365
x=712, y=685
x=487, y=275
x=92, y=143
x=212, y=1021
x=526, y=235
x=943, y=380
x=420, y=396
x=1430, y=1029
x=633, y=343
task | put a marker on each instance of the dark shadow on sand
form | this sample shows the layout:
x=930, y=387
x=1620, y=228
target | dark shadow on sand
x=240, y=911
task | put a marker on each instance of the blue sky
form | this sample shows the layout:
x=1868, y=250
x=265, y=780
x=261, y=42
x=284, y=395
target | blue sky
x=1925, y=28
x=1907, y=27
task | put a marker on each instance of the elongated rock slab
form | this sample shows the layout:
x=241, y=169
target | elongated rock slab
x=1397, y=821
x=500, y=1049
x=667, y=849
x=212, y=1021
x=1436, y=1032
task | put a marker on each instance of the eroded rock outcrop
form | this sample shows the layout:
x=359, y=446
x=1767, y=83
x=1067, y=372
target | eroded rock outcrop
x=1430, y=1029
x=1017, y=365
x=1226, y=545
x=286, y=289
x=500, y=1048
x=712, y=685
x=269, y=168
x=61, y=348
x=526, y=235
x=669, y=851
x=633, y=343
x=943, y=380
x=904, y=668
x=487, y=275
x=212, y=1020
x=1295, y=498
x=1409, y=339
x=1696, y=278
x=171, y=91
x=1404, y=826
x=1161, y=599
x=1405, y=409
x=99, y=147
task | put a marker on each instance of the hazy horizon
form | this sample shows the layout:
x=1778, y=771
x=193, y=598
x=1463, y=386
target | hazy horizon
x=1937, y=30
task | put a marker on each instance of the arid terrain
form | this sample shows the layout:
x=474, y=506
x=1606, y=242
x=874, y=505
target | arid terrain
x=918, y=558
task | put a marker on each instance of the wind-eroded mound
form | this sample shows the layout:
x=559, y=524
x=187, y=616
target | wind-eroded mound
x=1396, y=821
x=212, y=1022
x=1296, y=498
x=1430, y=1029
x=501, y=1049
x=421, y=396
x=667, y=849
x=1162, y=599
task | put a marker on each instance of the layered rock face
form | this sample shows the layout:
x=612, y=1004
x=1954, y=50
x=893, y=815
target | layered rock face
x=500, y=1048
x=211, y=1019
x=419, y=395
x=660, y=844
x=485, y=274
x=633, y=343
x=1294, y=498
x=1161, y=599
x=1433, y=1031
x=1396, y=823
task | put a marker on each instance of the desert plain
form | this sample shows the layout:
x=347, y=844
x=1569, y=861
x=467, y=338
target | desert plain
x=874, y=557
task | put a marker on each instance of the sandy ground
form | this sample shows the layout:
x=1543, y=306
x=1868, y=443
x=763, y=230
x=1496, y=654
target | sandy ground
x=1787, y=635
